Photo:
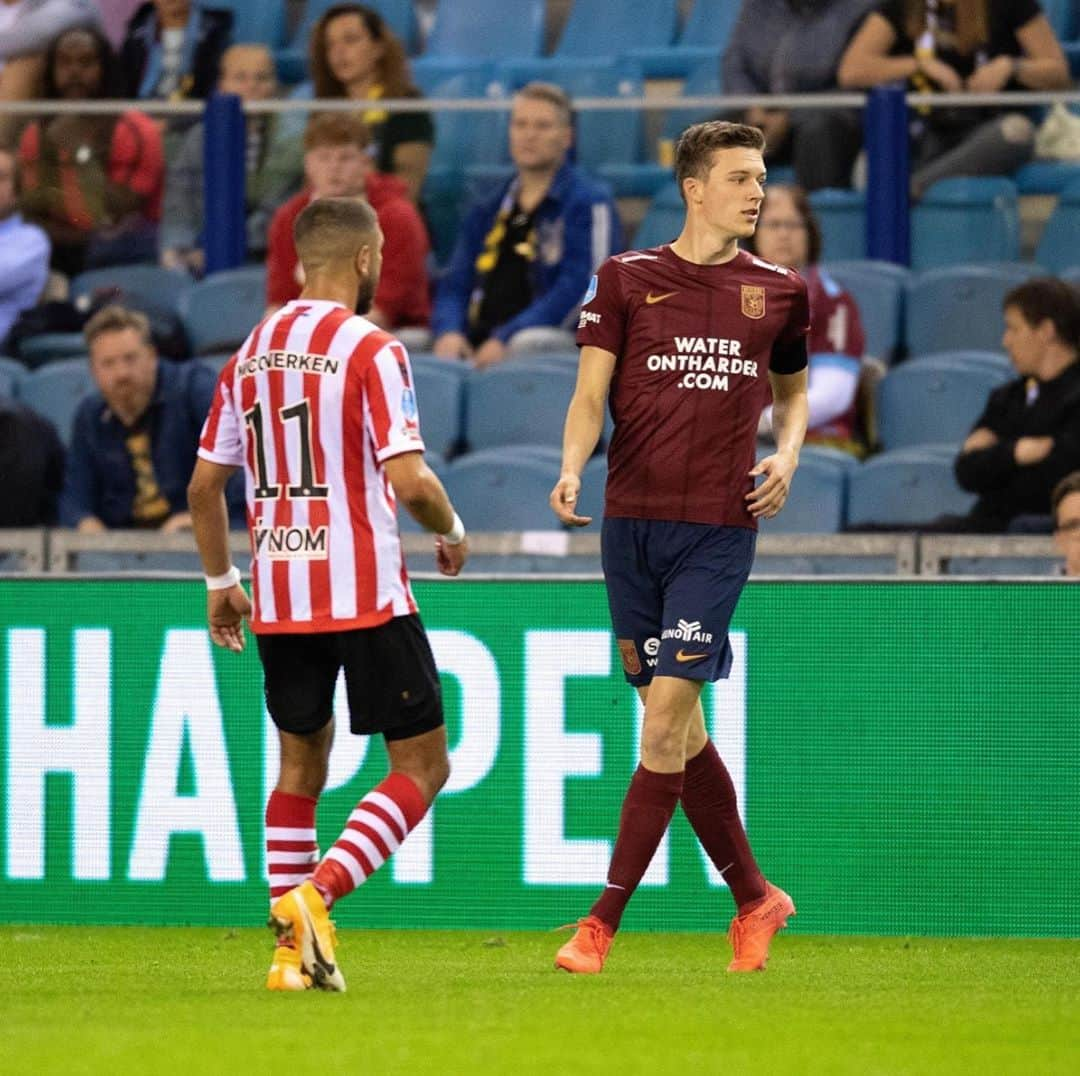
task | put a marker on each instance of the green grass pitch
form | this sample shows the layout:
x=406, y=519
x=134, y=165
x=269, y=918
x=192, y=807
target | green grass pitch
x=172, y=1000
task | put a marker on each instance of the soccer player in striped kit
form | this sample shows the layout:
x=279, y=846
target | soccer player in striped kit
x=682, y=341
x=318, y=407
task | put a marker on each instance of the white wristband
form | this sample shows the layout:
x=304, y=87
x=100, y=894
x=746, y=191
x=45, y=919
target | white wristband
x=456, y=534
x=223, y=582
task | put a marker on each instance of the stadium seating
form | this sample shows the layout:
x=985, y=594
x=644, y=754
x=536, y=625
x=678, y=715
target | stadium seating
x=906, y=488
x=11, y=375
x=215, y=362
x=934, y=399
x=703, y=39
x=460, y=139
x=1063, y=17
x=842, y=216
x=966, y=219
x=1047, y=177
x=55, y=391
x=494, y=491
x=220, y=310
x=702, y=80
x=1059, y=245
x=664, y=219
x=593, y=480
x=146, y=282
x=519, y=402
x=591, y=29
x=262, y=21
x=292, y=60
x=485, y=28
x=960, y=307
x=48, y=347
x=878, y=289
x=440, y=395
x=817, y=502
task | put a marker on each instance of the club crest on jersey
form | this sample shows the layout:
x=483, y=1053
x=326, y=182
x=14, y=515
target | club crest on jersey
x=753, y=301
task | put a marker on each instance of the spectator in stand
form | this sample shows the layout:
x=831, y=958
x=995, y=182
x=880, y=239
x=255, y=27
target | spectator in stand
x=134, y=440
x=172, y=50
x=274, y=166
x=93, y=182
x=337, y=165
x=794, y=46
x=354, y=54
x=1065, y=501
x=24, y=250
x=967, y=46
x=526, y=251
x=788, y=234
x=31, y=467
x=1028, y=437
x=26, y=28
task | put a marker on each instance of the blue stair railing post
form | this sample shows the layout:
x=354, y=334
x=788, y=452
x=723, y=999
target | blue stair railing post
x=224, y=149
x=888, y=220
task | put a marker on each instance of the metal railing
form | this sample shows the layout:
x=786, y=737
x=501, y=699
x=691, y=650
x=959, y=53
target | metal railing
x=58, y=551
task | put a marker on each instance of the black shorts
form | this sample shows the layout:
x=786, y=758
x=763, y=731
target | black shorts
x=390, y=679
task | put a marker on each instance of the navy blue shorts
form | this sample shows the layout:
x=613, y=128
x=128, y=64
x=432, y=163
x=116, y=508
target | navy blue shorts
x=672, y=589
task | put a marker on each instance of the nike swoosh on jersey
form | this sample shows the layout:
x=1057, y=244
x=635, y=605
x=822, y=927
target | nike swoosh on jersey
x=650, y=298
x=682, y=656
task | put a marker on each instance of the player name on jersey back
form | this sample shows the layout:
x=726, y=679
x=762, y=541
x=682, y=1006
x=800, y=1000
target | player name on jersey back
x=311, y=406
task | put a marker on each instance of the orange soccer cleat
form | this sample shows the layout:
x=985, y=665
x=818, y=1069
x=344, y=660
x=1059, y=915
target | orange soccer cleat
x=587, y=950
x=287, y=972
x=751, y=933
x=300, y=919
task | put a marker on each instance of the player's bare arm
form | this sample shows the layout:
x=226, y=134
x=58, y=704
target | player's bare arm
x=227, y=604
x=584, y=424
x=418, y=488
x=790, y=414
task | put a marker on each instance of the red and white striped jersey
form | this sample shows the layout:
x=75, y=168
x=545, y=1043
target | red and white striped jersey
x=311, y=405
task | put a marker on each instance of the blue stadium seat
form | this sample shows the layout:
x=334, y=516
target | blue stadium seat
x=1064, y=17
x=12, y=373
x=702, y=80
x=602, y=138
x=933, y=400
x=147, y=282
x=664, y=219
x=842, y=216
x=1072, y=275
x=518, y=402
x=966, y=219
x=1047, y=177
x=497, y=492
x=591, y=31
x=906, y=488
x=48, y=347
x=440, y=395
x=485, y=28
x=878, y=289
x=55, y=392
x=703, y=37
x=215, y=362
x=261, y=21
x=221, y=309
x=817, y=501
x=994, y=361
x=593, y=481
x=464, y=138
x=959, y=308
x=1058, y=246
x=292, y=60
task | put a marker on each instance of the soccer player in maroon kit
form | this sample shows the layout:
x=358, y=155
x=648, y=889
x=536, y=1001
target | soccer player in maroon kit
x=682, y=340
x=318, y=407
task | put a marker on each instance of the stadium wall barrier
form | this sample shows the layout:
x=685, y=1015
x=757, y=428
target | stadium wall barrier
x=904, y=751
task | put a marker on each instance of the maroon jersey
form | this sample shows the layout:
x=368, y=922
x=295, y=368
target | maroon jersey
x=693, y=346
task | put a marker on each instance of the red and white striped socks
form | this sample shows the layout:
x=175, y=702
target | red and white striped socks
x=292, y=851
x=375, y=830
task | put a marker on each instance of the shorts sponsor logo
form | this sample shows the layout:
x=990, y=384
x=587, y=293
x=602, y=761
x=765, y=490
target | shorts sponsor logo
x=753, y=301
x=652, y=649
x=630, y=660
x=687, y=631
x=290, y=543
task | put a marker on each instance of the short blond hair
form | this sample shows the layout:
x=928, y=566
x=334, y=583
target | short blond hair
x=116, y=319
